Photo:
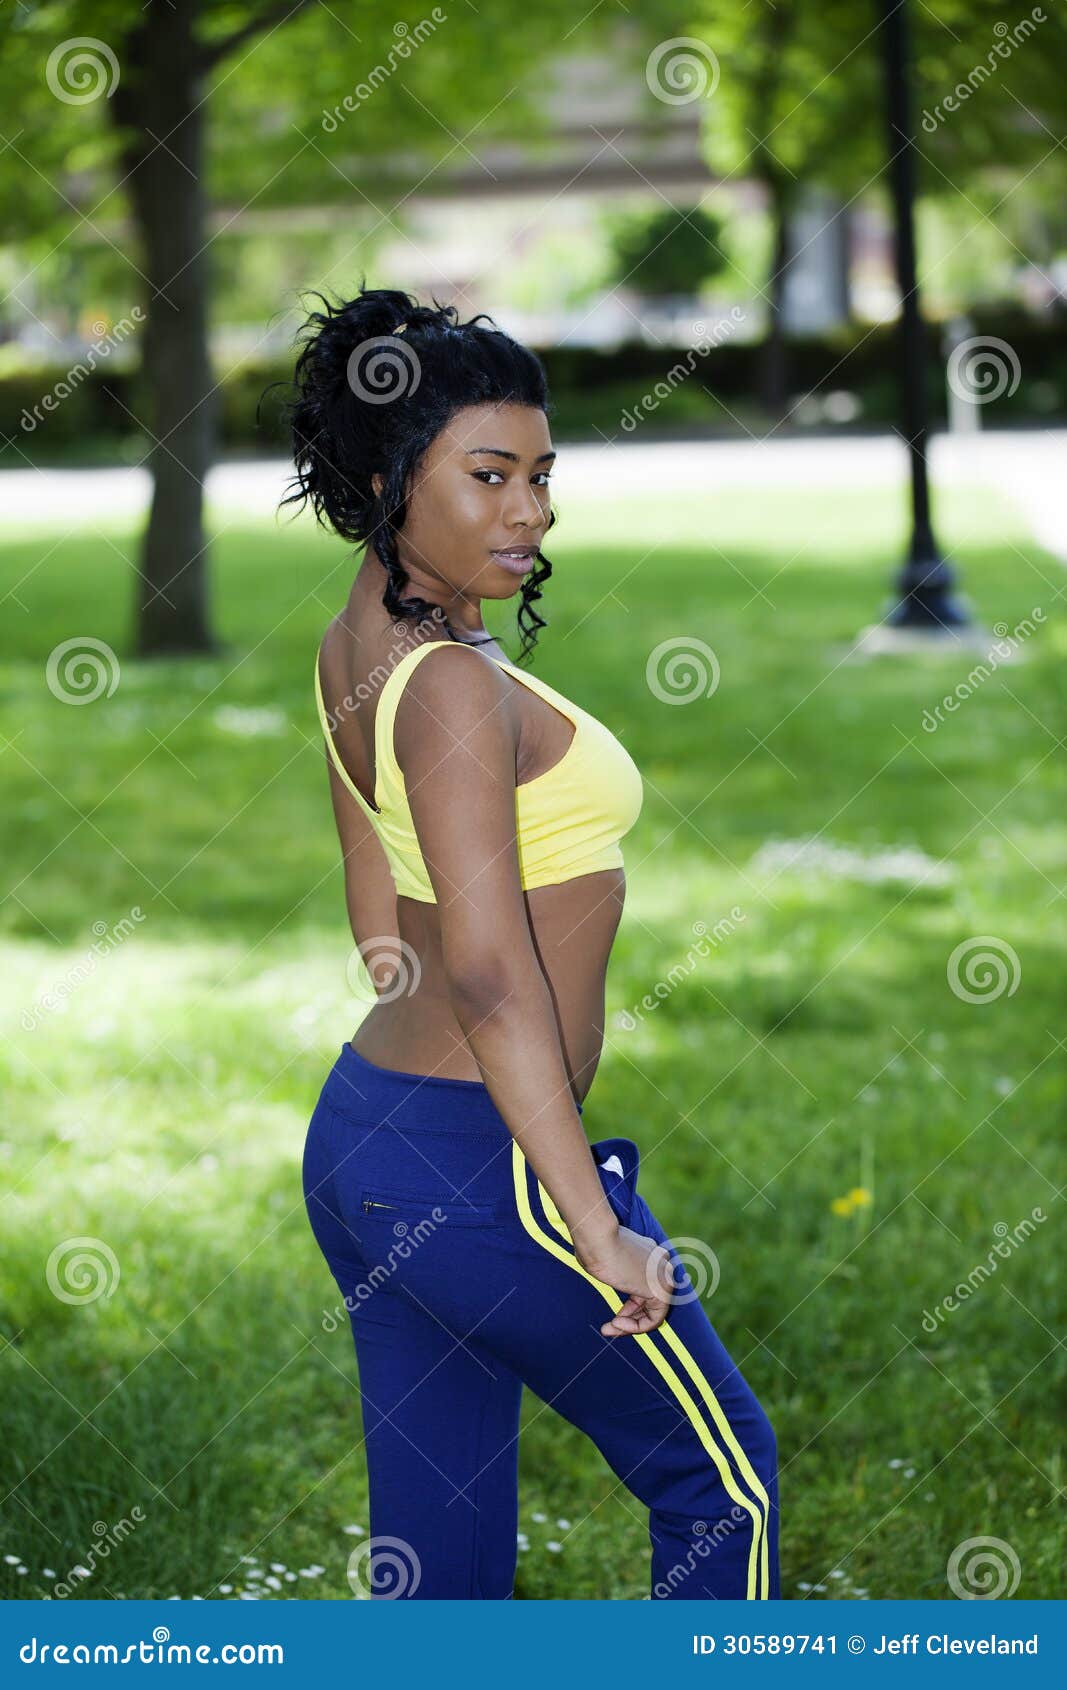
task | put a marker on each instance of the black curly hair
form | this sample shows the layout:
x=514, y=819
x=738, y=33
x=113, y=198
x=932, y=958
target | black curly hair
x=364, y=400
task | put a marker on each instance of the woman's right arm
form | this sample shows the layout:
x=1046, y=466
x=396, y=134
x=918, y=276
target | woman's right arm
x=455, y=738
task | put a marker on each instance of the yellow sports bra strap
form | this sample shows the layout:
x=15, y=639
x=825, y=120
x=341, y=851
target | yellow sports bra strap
x=385, y=716
x=335, y=755
x=389, y=699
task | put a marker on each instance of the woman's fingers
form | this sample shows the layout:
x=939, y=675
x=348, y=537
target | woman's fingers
x=637, y=1314
x=623, y=1320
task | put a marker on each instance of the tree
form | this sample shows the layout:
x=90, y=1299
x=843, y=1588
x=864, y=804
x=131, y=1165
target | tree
x=167, y=109
x=799, y=101
x=669, y=252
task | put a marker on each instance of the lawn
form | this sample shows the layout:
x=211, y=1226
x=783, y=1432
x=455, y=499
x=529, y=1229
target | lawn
x=850, y=1119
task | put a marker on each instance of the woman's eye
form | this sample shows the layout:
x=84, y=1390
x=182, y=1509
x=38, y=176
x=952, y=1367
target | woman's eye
x=543, y=475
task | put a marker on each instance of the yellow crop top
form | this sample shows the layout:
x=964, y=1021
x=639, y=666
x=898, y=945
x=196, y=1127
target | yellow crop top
x=568, y=821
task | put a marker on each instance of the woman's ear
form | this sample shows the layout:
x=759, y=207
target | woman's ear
x=376, y=483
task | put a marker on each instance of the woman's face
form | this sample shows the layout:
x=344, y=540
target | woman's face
x=481, y=491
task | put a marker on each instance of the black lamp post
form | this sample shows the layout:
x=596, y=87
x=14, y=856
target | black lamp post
x=924, y=600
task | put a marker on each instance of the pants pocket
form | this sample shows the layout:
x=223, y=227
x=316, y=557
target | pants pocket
x=617, y=1162
x=442, y=1209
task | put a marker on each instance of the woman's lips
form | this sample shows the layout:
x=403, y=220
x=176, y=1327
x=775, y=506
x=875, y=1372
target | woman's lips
x=518, y=562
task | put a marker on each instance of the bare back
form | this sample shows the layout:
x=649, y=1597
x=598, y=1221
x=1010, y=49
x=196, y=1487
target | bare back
x=572, y=924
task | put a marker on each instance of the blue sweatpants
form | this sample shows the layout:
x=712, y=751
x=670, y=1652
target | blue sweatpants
x=461, y=1283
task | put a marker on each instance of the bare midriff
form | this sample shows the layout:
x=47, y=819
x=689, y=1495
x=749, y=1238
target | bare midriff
x=573, y=925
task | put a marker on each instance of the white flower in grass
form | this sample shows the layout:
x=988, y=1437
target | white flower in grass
x=354, y=1531
x=803, y=1585
x=564, y=1525
x=274, y=1583
x=902, y=865
x=555, y=1547
x=48, y=1572
x=290, y=1578
x=249, y=722
x=225, y=1589
x=836, y=1573
x=12, y=1560
x=277, y=1566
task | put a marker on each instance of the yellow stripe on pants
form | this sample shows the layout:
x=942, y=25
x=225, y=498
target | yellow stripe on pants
x=663, y=1367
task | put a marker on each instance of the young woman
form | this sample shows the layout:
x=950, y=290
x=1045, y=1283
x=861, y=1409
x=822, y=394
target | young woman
x=478, y=1239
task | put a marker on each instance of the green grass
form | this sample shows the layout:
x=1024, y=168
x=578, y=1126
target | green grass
x=814, y=1049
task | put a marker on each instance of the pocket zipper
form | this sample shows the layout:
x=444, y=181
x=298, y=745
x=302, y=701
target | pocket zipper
x=370, y=1203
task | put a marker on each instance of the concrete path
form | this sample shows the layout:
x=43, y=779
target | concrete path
x=1028, y=466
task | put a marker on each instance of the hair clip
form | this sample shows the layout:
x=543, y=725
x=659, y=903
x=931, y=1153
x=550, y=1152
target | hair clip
x=401, y=329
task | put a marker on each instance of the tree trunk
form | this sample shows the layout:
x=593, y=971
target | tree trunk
x=774, y=361
x=158, y=107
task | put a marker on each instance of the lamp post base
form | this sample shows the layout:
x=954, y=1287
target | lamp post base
x=907, y=639
x=928, y=607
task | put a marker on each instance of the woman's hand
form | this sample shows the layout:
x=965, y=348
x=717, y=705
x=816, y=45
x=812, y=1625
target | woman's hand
x=643, y=1269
